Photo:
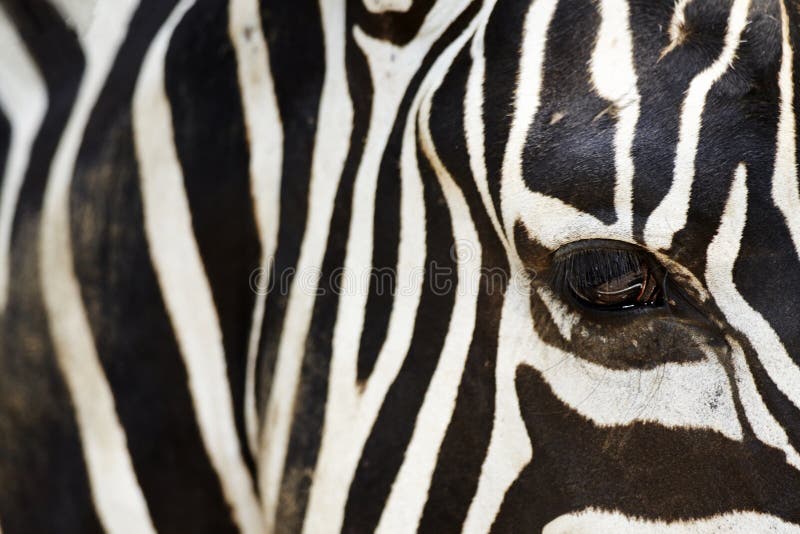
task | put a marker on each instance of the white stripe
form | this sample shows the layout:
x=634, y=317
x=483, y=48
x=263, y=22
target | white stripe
x=764, y=425
x=677, y=27
x=118, y=499
x=509, y=446
x=787, y=198
x=23, y=99
x=77, y=13
x=474, y=127
x=564, y=318
x=265, y=134
x=406, y=501
x=564, y=223
x=179, y=269
x=670, y=215
x=350, y=411
x=330, y=151
x=382, y=6
x=591, y=521
x=784, y=180
x=526, y=104
x=722, y=254
x=614, y=77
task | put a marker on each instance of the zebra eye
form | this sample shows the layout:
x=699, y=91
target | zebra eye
x=636, y=287
x=609, y=278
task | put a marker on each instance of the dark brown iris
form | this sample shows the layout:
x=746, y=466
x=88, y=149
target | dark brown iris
x=608, y=275
x=636, y=287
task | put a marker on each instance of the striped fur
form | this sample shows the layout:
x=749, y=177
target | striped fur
x=273, y=266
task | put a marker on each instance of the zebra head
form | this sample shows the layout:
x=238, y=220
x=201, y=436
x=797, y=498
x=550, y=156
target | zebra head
x=399, y=265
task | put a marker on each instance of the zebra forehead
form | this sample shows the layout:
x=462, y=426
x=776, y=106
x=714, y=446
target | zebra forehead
x=571, y=137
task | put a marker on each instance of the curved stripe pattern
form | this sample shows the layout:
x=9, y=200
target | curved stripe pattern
x=265, y=135
x=117, y=495
x=670, y=215
x=328, y=266
x=336, y=121
x=183, y=282
x=23, y=99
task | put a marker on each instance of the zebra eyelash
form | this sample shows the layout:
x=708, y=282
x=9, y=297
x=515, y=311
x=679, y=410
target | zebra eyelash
x=592, y=265
x=579, y=268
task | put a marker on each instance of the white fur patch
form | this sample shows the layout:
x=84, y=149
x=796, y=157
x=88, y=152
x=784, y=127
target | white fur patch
x=614, y=78
x=596, y=522
x=382, y=6
x=677, y=27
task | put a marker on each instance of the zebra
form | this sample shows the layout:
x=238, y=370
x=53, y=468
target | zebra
x=399, y=265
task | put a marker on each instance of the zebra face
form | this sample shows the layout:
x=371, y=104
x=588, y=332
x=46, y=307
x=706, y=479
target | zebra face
x=579, y=222
x=633, y=181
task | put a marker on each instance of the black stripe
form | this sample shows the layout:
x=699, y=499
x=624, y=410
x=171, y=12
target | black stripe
x=5, y=142
x=211, y=141
x=463, y=450
x=385, y=242
x=131, y=327
x=794, y=33
x=641, y=469
x=42, y=471
x=662, y=85
x=309, y=411
x=501, y=43
x=569, y=150
x=297, y=60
